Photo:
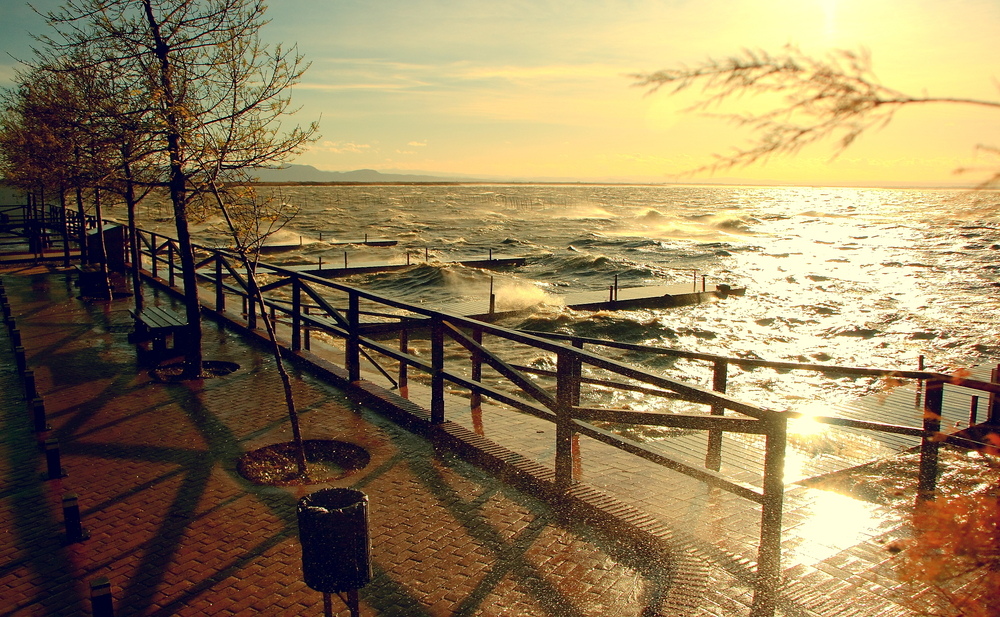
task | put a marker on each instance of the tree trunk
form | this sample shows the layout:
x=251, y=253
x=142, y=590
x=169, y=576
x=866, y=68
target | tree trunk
x=65, y=225
x=178, y=196
x=102, y=250
x=286, y=382
x=135, y=254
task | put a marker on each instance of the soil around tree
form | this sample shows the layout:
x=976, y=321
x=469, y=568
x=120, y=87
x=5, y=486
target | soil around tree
x=209, y=369
x=328, y=460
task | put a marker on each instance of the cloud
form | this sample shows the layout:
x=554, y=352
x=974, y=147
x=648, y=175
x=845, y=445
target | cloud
x=377, y=74
x=556, y=93
x=418, y=144
x=342, y=147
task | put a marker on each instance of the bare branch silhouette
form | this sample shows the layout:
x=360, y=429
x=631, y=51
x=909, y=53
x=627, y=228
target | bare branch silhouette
x=836, y=98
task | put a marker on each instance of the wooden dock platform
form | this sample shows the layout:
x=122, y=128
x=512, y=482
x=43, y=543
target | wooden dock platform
x=330, y=271
x=621, y=299
x=657, y=296
x=282, y=247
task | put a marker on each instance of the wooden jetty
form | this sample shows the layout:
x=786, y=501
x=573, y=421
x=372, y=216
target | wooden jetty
x=615, y=299
x=281, y=247
x=657, y=296
x=337, y=272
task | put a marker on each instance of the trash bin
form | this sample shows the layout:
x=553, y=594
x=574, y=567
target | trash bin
x=336, y=548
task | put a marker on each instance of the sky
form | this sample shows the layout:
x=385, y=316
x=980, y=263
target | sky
x=541, y=89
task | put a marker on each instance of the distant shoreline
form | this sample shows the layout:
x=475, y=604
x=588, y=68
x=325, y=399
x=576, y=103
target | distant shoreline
x=460, y=183
x=595, y=183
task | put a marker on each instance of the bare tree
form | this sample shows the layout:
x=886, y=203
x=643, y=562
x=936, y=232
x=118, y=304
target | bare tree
x=833, y=98
x=44, y=131
x=250, y=221
x=219, y=96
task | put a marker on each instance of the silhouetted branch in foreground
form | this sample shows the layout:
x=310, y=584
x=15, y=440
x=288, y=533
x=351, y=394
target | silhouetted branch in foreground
x=834, y=98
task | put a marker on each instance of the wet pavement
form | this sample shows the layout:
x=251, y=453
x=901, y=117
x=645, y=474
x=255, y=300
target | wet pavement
x=177, y=531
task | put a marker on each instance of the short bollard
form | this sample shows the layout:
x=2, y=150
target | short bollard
x=20, y=359
x=15, y=338
x=38, y=414
x=100, y=598
x=52, y=459
x=5, y=307
x=71, y=516
x=30, y=390
x=336, y=547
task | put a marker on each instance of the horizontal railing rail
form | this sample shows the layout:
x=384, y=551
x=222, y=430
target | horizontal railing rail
x=720, y=366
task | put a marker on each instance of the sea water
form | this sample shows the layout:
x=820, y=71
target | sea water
x=842, y=276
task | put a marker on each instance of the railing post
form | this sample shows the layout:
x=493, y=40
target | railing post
x=251, y=310
x=352, y=352
x=305, y=329
x=437, y=370
x=930, y=441
x=577, y=373
x=170, y=263
x=404, y=347
x=565, y=386
x=993, y=409
x=153, y=255
x=220, y=291
x=768, y=581
x=296, y=315
x=720, y=372
x=476, y=398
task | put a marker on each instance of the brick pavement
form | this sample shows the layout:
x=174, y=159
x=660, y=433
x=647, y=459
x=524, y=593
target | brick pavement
x=178, y=532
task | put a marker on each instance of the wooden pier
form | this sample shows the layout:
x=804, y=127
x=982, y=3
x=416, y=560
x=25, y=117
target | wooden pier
x=615, y=299
x=330, y=271
x=292, y=246
x=657, y=296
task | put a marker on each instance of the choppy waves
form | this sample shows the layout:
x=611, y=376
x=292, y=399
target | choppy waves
x=865, y=277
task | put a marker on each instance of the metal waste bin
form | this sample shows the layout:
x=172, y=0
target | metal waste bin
x=336, y=547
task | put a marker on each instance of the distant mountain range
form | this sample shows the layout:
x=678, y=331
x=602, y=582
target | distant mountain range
x=308, y=173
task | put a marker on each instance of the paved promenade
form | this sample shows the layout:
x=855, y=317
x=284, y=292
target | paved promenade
x=177, y=531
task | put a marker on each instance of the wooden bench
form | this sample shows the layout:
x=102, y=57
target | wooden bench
x=156, y=324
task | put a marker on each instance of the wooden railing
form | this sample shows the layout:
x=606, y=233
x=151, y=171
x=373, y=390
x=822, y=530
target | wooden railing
x=361, y=321
x=469, y=355
x=47, y=227
x=929, y=400
x=472, y=356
